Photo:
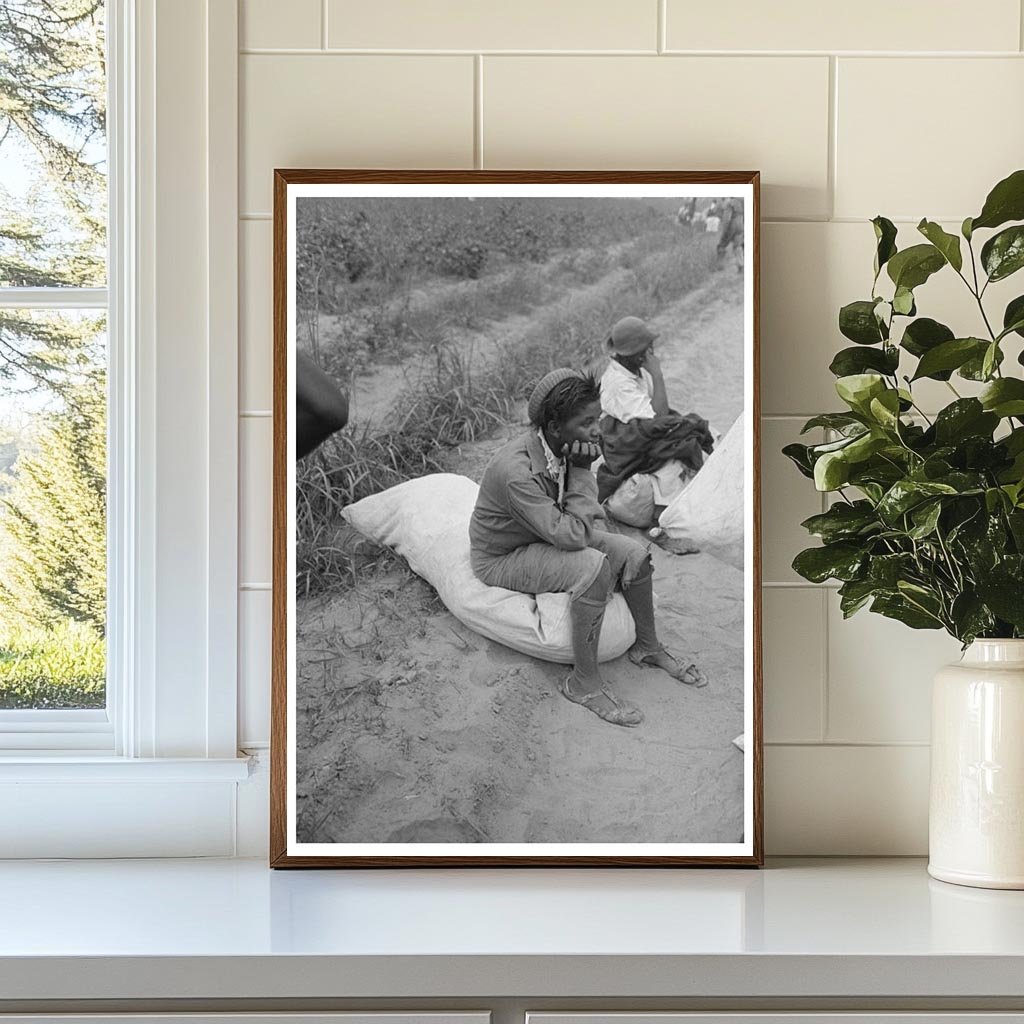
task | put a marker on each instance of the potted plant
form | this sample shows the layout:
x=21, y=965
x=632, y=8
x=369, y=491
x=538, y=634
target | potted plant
x=927, y=521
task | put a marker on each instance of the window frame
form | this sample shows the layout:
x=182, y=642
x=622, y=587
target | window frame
x=73, y=729
x=173, y=468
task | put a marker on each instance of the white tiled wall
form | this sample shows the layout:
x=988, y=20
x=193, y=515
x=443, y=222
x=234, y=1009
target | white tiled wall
x=909, y=110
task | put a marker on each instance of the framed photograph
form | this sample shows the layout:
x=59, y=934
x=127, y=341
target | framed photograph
x=516, y=552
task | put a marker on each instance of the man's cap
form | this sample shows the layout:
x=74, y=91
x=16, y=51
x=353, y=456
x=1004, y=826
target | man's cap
x=630, y=336
x=544, y=387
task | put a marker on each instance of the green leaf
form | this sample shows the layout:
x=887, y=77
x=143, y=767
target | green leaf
x=1015, y=492
x=1015, y=519
x=886, y=470
x=850, y=361
x=897, y=607
x=857, y=321
x=885, y=409
x=994, y=499
x=1014, y=441
x=1013, y=474
x=831, y=471
x=817, y=450
x=964, y=482
x=799, y=455
x=858, y=389
x=903, y=302
x=923, y=335
x=872, y=491
x=833, y=420
x=947, y=244
x=965, y=229
x=840, y=561
x=971, y=617
x=966, y=417
x=887, y=570
x=906, y=494
x=925, y=518
x=885, y=236
x=863, y=447
x=950, y=355
x=854, y=595
x=1003, y=254
x=1005, y=202
x=1013, y=317
x=974, y=368
x=842, y=521
x=912, y=267
x=1005, y=596
x=990, y=360
x=1004, y=397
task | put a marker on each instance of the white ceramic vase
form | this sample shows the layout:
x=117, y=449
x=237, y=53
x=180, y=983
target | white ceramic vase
x=976, y=812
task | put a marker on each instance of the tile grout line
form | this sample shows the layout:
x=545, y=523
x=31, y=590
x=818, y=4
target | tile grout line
x=478, y=111
x=912, y=221
x=323, y=24
x=799, y=584
x=833, y=134
x=768, y=55
x=662, y=28
x=851, y=744
x=825, y=723
x=1020, y=24
x=826, y=651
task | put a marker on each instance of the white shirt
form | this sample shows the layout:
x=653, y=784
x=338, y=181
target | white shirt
x=626, y=396
x=556, y=465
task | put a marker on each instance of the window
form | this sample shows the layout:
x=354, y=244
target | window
x=155, y=770
x=53, y=370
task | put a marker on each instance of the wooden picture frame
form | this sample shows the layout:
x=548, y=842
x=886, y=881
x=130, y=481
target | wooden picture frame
x=391, y=744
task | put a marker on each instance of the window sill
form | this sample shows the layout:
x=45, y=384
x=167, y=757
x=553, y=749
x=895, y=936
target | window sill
x=76, y=766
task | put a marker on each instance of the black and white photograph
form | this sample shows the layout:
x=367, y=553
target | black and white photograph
x=516, y=581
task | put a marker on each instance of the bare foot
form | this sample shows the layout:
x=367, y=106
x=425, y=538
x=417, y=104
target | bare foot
x=601, y=701
x=661, y=658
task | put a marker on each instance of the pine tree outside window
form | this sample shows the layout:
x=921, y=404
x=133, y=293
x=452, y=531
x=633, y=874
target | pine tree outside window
x=53, y=366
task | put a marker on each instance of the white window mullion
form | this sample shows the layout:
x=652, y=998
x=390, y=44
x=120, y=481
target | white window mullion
x=125, y=671
x=53, y=298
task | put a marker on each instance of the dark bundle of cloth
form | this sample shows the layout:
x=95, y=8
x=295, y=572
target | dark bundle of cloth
x=645, y=444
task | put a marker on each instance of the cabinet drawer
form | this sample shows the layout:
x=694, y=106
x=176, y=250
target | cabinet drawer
x=360, y=1017
x=787, y=1017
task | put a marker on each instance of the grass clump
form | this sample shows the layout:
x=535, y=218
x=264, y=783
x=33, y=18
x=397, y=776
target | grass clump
x=60, y=667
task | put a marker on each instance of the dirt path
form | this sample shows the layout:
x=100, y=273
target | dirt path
x=420, y=730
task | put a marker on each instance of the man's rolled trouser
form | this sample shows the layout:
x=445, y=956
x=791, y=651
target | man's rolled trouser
x=544, y=569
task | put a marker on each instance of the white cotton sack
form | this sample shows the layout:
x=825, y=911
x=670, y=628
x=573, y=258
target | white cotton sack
x=633, y=501
x=426, y=521
x=709, y=513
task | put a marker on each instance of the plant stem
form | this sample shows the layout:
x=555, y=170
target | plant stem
x=953, y=567
x=924, y=415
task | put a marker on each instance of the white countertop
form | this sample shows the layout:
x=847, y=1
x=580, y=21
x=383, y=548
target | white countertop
x=234, y=928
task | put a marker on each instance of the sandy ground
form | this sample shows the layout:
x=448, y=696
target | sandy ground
x=415, y=729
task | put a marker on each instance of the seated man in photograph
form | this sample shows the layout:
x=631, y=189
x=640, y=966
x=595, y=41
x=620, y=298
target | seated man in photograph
x=537, y=528
x=640, y=433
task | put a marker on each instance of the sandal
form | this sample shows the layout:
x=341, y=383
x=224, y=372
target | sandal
x=620, y=713
x=690, y=676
